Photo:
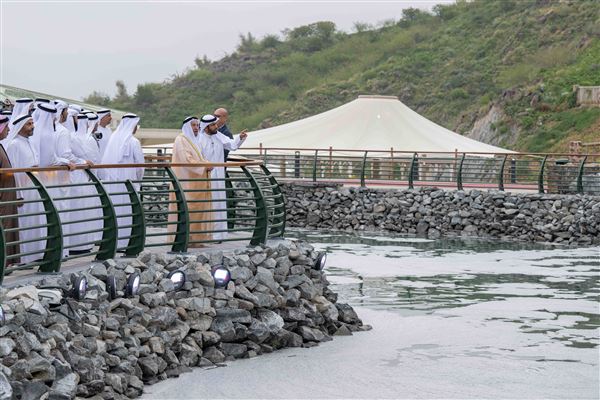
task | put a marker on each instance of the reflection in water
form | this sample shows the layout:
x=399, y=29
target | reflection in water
x=549, y=292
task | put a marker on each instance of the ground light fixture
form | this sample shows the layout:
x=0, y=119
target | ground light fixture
x=221, y=275
x=80, y=287
x=320, y=261
x=111, y=287
x=178, y=278
x=133, y=285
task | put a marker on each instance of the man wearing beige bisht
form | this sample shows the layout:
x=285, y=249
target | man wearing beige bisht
x=186, y=149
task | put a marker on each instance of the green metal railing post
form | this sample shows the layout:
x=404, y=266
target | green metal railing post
x=459, y=183
x=230, y=204
x=2, y=253
x=580, y=175
x=501, y=174
x=411, y=172
x=261, y=229
x=138, y=229
x=182, y=237
x=108, y=246
x=54, y=245
x=362, y=171
x=314, y=171
x=541, y=176
x=279, y=202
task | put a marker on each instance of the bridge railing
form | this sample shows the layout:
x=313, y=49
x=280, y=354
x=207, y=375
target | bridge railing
x=543, y=173
x=55, y=215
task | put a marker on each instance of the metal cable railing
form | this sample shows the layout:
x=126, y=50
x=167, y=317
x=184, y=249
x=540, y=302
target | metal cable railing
x=60, y=215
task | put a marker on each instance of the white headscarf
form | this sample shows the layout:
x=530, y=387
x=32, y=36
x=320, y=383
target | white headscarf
x=43, y=131
x=17, y=124
x=21, y=108
x=72, y=112
x=92, y=122
x=82, y=125
x=187, y=130
x=60, y=106
x=207, y=120
x=35, y=113
x=102, y=113
x=117, y=147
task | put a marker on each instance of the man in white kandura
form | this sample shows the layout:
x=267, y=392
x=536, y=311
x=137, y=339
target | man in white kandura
x=84, y=147
x=123, y=148
x=103, y=129
x=212, y=145
x=45, y=142
x=64, y=151
x=22, y=155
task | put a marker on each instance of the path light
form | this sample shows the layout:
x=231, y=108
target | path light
x=111, y=287
x=178, y=279
x=133, y=285
x=320, y=261
x=80, y=286
x=221, y=275
x=2, y=316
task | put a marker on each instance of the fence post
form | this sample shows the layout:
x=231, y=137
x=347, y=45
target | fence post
x=580, y=175
x=459, y=184
x=265, y=157
x=138, y=228
x=314, y=172
x=362, y=171
x=297, y=164
x=411, y=172
x=54, y=245
x=230, y=204
x=501, y=174
x=2, y=253
x=541, y=176
x=261, y=227
x=182, y=237
x=279, y=203
x=108, y=245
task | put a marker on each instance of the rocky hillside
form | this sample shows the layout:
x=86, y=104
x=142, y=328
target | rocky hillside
x=497, y=71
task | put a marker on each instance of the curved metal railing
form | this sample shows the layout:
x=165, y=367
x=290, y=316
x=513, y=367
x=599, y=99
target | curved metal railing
x=57, y=216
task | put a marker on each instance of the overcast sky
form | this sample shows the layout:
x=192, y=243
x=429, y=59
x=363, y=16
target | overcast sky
x=70, y=49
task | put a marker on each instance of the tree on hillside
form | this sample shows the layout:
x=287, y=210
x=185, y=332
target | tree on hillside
x=122, y=95
x=312, y=37
x=97, y=98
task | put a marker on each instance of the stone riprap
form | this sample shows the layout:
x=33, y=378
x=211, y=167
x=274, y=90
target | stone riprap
x=432, y=212
x=102, y=349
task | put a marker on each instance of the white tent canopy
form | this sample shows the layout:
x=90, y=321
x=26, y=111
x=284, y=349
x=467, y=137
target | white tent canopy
x=368, y=123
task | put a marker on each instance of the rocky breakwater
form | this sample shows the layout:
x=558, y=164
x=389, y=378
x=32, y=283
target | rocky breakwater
x=572, y=219
x=108, y=349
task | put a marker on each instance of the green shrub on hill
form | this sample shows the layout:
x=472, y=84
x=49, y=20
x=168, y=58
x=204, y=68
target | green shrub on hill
x=450, y=65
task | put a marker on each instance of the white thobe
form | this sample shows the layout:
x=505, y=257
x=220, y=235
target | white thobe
x=22, y=155
x=48, y=150
x=132, y=154
x=106, y=134
x=64, y=151
x=85, y=148
x=212, y=147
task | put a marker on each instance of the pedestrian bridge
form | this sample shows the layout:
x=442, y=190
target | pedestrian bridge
x=126, y=217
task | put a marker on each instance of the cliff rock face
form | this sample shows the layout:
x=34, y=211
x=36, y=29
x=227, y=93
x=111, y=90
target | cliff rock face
x=486, y=129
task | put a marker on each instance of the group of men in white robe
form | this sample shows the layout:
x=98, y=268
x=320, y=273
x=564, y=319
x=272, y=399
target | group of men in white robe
x=45, y=133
